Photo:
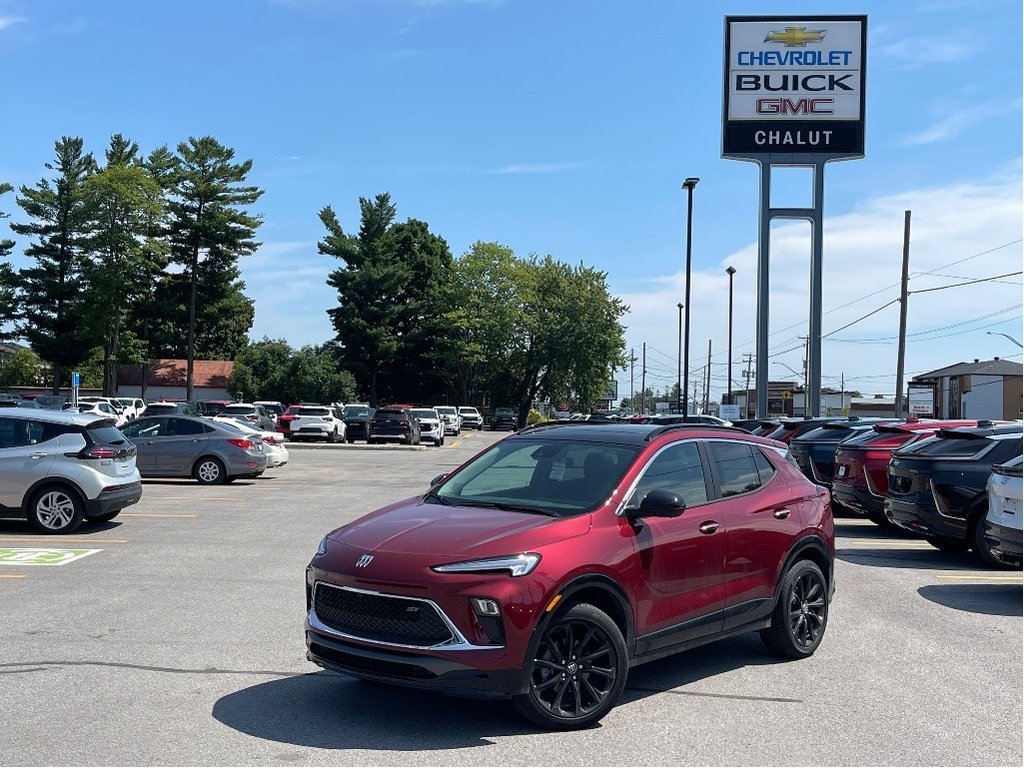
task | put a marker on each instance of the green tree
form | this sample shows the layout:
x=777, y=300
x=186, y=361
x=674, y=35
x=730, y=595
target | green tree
x=260, y=370
x=127, y=253
x=209, y=227
x=20, y=369
x=8, y=278
x=481, y=307
x=53, y=293
x=369, y=286
x=314, y=375
x=566, y=339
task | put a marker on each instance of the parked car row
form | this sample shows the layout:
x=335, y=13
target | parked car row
x=955, y=483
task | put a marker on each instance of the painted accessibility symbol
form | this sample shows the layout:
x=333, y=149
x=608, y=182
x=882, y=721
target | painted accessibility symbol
x=41, y=556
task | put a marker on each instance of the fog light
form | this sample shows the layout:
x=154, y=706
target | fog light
x=485, y=607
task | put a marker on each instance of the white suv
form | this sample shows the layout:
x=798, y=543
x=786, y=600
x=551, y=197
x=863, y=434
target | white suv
x=1003, y=530
x=471, y=418
x=316, y=421
x=60, y=467
x=450, y=416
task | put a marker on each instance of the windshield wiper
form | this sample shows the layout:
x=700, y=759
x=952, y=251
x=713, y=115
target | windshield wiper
x=434, y=496
x=506, y=507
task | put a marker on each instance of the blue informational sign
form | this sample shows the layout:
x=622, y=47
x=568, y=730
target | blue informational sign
x=76, y=379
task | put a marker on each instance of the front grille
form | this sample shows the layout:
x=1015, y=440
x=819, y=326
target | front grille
x=381, y=618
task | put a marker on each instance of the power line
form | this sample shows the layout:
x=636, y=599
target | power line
x=969, y=282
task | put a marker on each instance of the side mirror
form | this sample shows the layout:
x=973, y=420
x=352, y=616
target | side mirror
x=659, y=503
x=439, y=479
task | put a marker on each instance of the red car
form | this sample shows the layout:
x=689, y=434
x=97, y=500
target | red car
x=860, y=477
x=556, y=559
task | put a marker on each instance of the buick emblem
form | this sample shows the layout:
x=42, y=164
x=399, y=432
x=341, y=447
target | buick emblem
x=364, y=561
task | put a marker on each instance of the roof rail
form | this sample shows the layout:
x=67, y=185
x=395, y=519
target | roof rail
x=658, y=431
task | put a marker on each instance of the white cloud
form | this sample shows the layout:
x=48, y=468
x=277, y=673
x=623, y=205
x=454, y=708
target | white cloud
x=862, y=262
x=8, y=21
x=954, y=123
x=539, y=168
x=916, y=52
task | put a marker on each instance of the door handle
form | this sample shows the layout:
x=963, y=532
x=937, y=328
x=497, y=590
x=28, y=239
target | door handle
x=781, y=513
x=709, y=527
x=38, y=455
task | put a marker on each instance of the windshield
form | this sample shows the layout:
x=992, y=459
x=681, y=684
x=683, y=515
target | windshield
x=557, y=477
x=424, y=413
x=446, y=409
x=238, y=409
x=358, y=411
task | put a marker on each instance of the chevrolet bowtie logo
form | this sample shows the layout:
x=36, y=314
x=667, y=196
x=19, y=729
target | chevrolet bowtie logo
x=796, y=37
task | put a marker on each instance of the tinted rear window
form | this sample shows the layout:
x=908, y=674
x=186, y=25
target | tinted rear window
x=386, y=414
x=311, y=412
x=106, y=434
x=238, y=409
x=950, y=447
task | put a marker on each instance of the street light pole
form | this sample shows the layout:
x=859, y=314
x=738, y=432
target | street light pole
x=730, y=271
x=688, y=185
x=679, y=361
x=998, y=333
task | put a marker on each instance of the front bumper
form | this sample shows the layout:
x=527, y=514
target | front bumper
x=411, y=669
x=114, y=498
x=1005, y=543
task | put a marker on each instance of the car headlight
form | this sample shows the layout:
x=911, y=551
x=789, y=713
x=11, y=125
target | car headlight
x=516, y=565
x=321, y=549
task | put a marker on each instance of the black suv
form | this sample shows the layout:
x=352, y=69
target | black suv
x=937, y=486
x=815, y=451
x=504, y=418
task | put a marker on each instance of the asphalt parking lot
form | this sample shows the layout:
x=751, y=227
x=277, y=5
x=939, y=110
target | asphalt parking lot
x=173, y=636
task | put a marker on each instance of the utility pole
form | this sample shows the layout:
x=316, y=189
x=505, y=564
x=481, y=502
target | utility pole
x=902, y=350
x=807, y=394
x=707, y=383
x=695, y=391
x=632, y=359
x=746, y=398
x=643, y=383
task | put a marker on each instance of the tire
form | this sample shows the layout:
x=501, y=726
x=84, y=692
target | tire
x=801, y=612
x=105, y=517
x=209, y=471
x=981, y=548
x=945, y=544
x=55, y=509
x=438, y=442
x=575, y=692
x=335, y=437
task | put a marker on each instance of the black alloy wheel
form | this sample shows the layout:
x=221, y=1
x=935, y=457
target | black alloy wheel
x=578, y=671
x=801, y=613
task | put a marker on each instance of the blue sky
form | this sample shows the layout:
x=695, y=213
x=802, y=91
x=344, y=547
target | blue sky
x=566, y=128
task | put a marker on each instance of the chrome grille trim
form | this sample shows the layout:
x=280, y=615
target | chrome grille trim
x=458, y=641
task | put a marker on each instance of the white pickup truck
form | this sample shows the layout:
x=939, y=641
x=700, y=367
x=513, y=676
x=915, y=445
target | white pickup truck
x=316, y=422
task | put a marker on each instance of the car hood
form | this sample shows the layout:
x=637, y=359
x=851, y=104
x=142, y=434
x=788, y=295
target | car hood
x=435, y=530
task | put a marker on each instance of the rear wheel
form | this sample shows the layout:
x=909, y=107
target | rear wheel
x=55, y=509
x=578, y=671
x=801, y=613
x=209, y=471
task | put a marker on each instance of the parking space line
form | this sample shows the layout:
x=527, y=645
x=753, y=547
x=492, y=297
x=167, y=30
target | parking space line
x=64, y=540
x=12, y=575
x=885, y=544
x=155, y=514
x=1006, y=578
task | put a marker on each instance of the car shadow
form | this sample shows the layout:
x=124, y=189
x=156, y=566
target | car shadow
x=989, y=599
x=929, y=559
x=326, y=710
x=16, y=527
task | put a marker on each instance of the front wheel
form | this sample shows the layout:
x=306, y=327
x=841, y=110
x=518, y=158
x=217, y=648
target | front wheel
x=981, y=547
x=801, y=613
x=577, y=673
x=55, y=510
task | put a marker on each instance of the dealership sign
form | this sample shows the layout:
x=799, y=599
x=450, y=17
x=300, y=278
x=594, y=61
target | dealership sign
x=794, y=85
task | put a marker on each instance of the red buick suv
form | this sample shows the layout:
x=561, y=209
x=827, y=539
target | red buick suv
x=546, y=566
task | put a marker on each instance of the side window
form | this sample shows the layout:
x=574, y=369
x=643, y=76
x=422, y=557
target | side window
x=676, y=469
x=142, y=428
x=184, y=427
x=765, y=469
x=734, y=464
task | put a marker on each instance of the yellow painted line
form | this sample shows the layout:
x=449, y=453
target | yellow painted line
x=455, y=444
x=153, y=514
x=885, y=544
x=1004, y=579
x=63, y=540
x=12, y=575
